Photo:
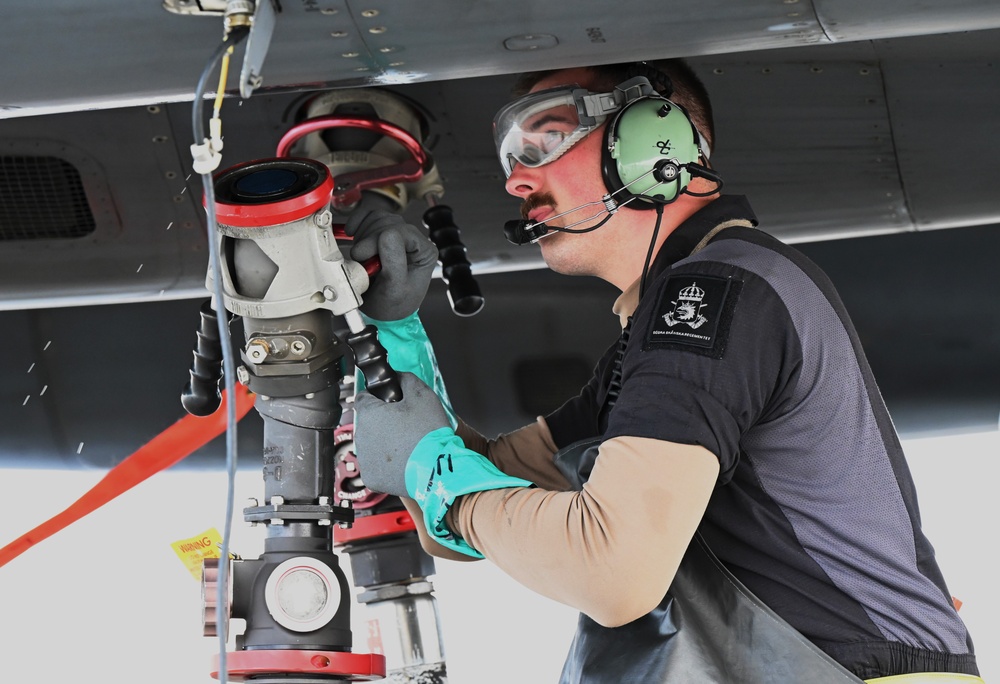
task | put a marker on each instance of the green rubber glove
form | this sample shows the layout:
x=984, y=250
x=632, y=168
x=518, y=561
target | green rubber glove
x=407, y=448
x=441, y=469
x=410, y=351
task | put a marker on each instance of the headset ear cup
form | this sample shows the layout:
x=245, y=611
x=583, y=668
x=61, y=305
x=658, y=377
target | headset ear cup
x=644, y=133
x=609, y=165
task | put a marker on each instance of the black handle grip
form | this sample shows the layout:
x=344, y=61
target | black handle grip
x=463, y=290
x=373, y=361
x=201, y=395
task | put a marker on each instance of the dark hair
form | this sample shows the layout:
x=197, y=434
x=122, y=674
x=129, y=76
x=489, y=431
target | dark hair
x=688, y=90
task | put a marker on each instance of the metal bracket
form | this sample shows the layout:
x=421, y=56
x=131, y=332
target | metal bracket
x=323, y=514
x=257, y=44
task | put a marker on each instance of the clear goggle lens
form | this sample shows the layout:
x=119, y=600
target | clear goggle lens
x=539, y=128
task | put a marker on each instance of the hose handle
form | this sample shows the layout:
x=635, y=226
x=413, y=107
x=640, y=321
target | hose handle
x=463, y=291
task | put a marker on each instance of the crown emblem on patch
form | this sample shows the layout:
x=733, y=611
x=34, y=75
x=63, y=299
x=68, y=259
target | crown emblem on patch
x=692, y=293
x=687, y=308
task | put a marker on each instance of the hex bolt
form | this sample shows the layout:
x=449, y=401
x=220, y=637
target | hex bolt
x=276, y=500
x=258, y=349
x=329, y=293
x=277, y=521
x=323, y=219
x=243, y=375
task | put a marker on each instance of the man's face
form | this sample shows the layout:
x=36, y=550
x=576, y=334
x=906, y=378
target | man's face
x=572, y=180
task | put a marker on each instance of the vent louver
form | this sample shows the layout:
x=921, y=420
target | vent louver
x=42, y=198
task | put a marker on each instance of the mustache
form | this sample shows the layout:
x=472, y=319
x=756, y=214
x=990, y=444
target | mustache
x=539, y=199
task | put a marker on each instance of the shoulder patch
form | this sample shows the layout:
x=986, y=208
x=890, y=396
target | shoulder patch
x=693, y=313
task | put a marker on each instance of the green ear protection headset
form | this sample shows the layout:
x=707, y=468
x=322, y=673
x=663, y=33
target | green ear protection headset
x=651, y=148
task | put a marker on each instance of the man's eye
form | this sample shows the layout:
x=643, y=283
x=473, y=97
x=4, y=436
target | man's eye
x=550, y=140
x=531, y=154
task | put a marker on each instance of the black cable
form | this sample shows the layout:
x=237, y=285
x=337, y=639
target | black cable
x=581, y=230
x=706, y=173
x=652, y=246
x=615, y=384
x=229, y=371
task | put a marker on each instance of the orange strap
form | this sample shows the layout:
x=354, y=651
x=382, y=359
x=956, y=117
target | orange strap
x=167, y=448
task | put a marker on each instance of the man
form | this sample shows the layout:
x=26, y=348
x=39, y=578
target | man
x=736, y=415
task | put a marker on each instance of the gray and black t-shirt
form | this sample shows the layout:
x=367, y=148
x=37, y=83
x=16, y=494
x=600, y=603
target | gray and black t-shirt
x=745, y=348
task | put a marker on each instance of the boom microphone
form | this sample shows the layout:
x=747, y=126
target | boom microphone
x=664, y=171
x=523, y=232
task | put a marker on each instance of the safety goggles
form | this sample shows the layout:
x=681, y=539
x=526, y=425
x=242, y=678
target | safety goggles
x=540, y=127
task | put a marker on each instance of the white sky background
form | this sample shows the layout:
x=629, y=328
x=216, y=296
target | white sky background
x=107, y=600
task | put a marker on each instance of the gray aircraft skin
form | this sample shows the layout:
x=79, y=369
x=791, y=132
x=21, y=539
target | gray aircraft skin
x=864, y=132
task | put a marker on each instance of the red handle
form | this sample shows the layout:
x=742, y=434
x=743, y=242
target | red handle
x=373, y=265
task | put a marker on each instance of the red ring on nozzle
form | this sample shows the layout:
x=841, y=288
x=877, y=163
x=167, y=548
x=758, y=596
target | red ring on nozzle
x=300, y=206
x=355, y=667
x=322, y=123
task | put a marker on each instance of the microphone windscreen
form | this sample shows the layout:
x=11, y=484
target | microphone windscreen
x=516, y=233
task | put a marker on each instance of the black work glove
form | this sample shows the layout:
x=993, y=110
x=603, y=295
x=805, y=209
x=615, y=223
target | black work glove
x=408, y=258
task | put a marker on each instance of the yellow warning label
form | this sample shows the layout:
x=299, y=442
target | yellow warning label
x=192, y=551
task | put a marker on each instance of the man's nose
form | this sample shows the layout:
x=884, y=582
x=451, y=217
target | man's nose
x=523, y=181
